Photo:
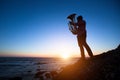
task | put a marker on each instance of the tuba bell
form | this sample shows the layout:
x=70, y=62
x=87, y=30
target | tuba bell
x=71, y=23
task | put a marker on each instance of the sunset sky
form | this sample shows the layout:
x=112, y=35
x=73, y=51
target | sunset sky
x=39, y=27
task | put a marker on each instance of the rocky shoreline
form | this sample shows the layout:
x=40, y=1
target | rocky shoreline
x=105, y=66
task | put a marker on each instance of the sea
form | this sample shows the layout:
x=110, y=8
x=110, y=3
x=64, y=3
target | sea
x=27, y=67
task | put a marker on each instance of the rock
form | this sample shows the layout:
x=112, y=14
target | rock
x=105, y=66
x=16, y=78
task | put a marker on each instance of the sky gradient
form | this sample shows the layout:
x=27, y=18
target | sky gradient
x=39, y=27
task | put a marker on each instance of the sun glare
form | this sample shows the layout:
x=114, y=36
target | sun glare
x=65, y=56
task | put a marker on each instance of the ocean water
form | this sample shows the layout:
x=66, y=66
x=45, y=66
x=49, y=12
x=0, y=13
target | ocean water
x=24, y=66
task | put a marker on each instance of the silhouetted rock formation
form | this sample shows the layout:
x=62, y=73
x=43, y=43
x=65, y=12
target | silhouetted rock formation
x=105, y=66
x=16, y=78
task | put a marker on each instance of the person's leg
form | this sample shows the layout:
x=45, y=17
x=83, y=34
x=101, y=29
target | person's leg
x=82, y=51
x=88, y=49
x=80, y=43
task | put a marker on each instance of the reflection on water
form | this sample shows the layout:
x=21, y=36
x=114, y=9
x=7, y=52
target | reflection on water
x=24, y=66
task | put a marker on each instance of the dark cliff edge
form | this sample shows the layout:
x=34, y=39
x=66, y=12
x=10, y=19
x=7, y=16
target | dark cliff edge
x=105, y=66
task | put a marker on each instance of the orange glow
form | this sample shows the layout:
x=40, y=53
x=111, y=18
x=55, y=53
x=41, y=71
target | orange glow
x=65, y=56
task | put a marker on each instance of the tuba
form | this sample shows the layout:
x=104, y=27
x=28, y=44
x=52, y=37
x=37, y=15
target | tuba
x=71, y=24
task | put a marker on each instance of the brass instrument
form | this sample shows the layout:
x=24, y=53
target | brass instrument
x=71, y=24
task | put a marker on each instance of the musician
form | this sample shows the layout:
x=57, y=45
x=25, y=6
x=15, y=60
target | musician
x=80, y=26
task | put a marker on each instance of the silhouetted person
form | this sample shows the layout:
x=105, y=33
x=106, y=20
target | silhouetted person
x=79, y=29
x=81, y=36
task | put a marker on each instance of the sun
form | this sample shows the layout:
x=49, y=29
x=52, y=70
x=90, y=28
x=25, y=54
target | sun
x=65, y=56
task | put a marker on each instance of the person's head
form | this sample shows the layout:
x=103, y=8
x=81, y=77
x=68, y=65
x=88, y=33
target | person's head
x=79, y=18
